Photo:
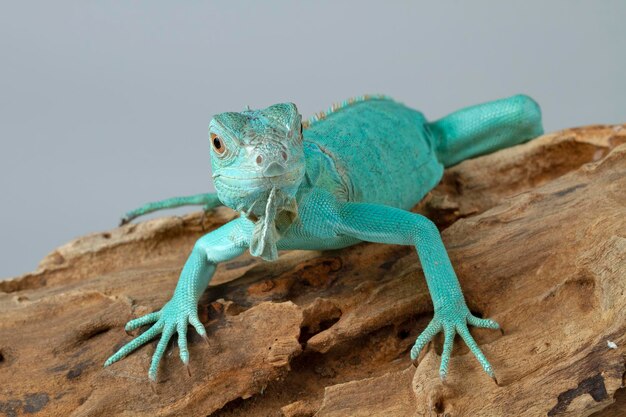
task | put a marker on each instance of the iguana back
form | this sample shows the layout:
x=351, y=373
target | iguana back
x=382, y=150
x=387, y=153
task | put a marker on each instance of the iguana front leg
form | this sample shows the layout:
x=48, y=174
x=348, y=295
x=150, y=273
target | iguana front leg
x=223, y=244
x=384, y=224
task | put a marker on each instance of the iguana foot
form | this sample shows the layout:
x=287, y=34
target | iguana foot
x=451, y=324
x=173, y=318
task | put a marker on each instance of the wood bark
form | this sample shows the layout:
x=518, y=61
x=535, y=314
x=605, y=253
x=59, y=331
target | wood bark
x=537, y=235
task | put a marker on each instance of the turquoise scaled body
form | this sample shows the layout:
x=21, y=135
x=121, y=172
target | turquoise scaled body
x=345, y=176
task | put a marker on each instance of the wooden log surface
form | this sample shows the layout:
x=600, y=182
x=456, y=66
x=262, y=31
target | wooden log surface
x=537, y=235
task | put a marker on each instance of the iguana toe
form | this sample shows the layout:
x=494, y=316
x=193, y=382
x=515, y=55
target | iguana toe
x=450, y=327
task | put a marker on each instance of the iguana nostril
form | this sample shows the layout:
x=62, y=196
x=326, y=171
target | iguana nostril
x=284, y=155
x=259, y=160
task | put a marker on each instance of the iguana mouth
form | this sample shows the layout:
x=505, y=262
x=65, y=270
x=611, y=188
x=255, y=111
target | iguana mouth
x=250, y=193
x=286, y=175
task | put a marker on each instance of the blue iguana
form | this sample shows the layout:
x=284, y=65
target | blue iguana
x=346, y=175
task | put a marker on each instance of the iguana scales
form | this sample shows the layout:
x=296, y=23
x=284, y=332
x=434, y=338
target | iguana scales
x=347, y=175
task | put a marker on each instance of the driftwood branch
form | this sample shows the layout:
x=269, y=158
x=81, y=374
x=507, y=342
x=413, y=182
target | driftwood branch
x=537, y=234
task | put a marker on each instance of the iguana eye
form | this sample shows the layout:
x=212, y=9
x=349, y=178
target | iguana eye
x=218, y=144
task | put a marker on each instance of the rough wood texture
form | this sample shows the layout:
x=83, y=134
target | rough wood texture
x=537, y=234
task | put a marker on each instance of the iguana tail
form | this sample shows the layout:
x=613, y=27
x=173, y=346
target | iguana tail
x=208, y=200
x=486, y=128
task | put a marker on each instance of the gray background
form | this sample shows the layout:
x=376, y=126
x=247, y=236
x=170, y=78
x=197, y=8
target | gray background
x=104, y=106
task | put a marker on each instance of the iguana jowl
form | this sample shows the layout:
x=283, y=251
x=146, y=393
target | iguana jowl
x=345, y=176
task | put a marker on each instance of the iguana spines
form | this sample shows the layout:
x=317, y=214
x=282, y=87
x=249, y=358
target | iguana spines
x=338, y=106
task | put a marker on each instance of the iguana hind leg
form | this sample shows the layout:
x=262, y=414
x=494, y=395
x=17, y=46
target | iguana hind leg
x=209, y=201
x=486, y=128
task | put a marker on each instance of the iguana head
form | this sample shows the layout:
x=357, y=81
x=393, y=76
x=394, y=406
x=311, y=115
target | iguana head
x=258, y=162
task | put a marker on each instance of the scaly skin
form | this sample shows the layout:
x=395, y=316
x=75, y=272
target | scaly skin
x=349, y=176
